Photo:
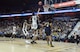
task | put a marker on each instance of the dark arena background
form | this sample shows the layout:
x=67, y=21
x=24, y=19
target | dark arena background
x=18, y=16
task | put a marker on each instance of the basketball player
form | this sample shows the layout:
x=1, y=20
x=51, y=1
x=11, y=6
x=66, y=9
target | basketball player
x=34, y=28
x=40, y=6
x=24, y=29
x=48, y=34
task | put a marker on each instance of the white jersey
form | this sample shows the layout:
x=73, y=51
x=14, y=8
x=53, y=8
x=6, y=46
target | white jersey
x=34, y=22
x=24, y=29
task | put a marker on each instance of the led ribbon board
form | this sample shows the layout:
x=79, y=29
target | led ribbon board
x=50, y=12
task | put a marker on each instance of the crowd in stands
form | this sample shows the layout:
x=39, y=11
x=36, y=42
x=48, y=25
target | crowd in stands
x=60, y=31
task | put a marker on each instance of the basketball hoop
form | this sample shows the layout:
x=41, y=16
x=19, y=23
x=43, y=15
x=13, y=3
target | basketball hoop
x=46, y=7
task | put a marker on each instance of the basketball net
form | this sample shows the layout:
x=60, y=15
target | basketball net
x=46, y=6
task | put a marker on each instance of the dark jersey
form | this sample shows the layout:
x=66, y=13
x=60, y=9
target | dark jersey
x=48, y=30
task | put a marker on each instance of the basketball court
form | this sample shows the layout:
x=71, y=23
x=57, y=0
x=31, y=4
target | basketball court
x=19, y=45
